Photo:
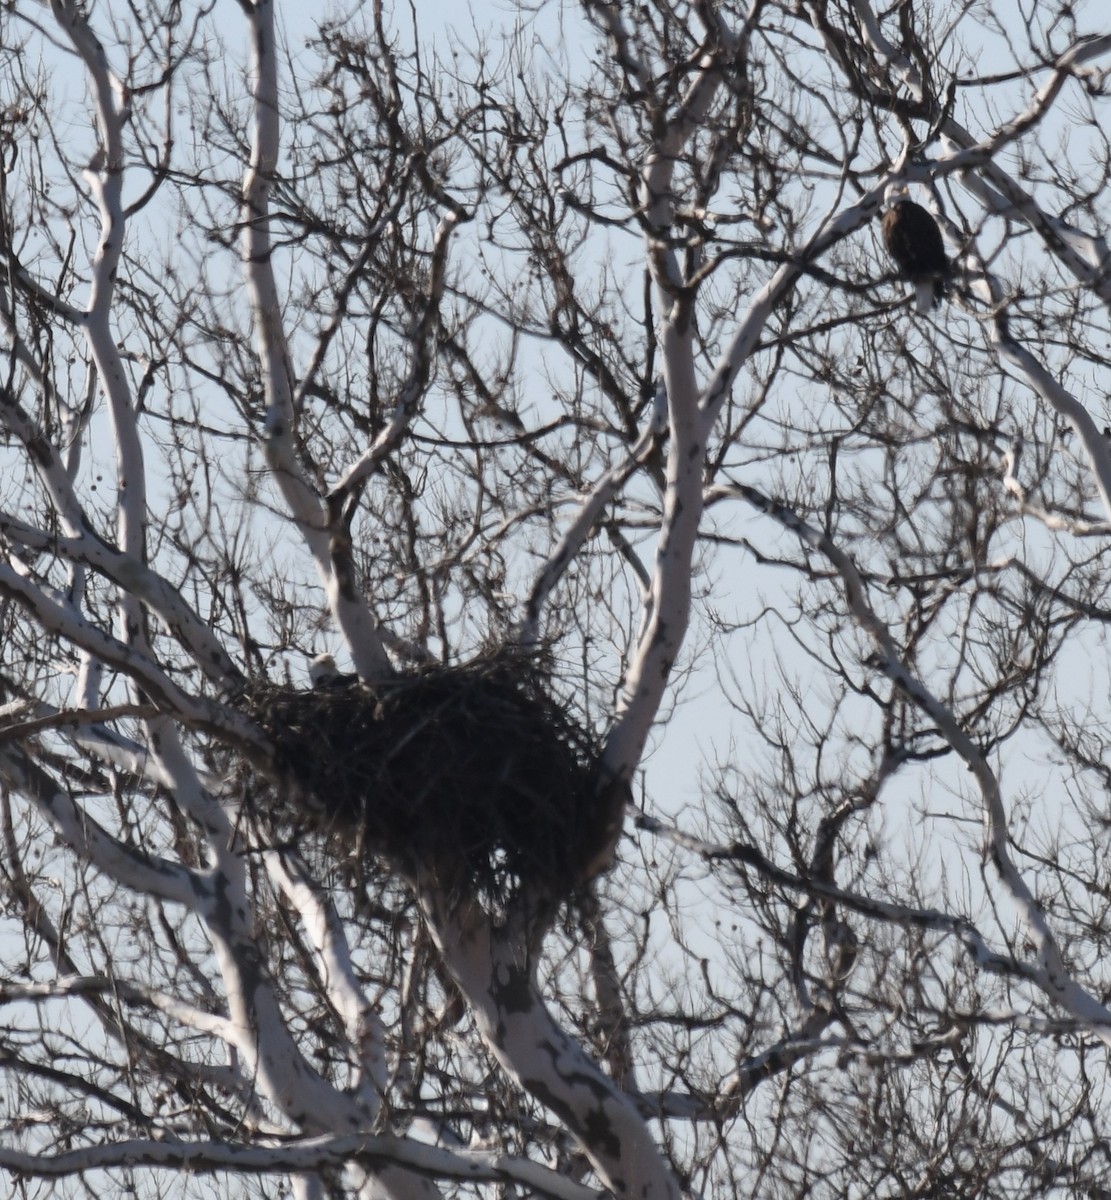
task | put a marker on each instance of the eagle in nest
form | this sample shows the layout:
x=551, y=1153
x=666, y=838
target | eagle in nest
x=324, y=674
x=913, y=240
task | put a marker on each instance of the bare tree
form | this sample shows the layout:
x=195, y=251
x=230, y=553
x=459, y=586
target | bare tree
x=555, y=377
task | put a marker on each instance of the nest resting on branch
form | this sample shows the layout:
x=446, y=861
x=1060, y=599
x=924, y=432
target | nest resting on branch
x=473, y=775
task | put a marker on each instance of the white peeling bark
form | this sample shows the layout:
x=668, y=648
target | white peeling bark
x=308, y=1154
x=54, y=615
x=692, y=412
x=494, y=971
x=133, y=868
x=105, y=179
x=87, y=549
x=1088, y=258
x=1049, y=389
x=670, y=596
x=352, y=615
x=1083, y=255
x=272, y=1058
x=668, y=607
x=362, y=1025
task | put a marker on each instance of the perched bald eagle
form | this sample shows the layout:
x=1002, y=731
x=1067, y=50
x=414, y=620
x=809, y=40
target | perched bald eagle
x=913, y=240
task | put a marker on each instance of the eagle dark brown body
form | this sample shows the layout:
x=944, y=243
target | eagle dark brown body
x=913, y=240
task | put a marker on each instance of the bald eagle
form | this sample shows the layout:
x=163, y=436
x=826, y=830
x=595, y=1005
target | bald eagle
x=323, y=673
x=913, y=240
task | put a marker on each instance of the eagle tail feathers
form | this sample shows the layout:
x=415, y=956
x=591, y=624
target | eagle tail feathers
x=926, y=295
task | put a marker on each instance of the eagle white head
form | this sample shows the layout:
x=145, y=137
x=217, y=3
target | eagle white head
x=895, y=191
x=913, y=239
x=323, y=671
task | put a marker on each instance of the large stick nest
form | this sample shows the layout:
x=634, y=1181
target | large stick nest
x=472, y=775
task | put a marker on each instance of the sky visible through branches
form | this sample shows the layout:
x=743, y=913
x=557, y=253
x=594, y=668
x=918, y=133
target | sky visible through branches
x=710, y=799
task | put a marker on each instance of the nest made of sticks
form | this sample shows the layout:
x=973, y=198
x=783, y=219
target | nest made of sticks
x=474, y=775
